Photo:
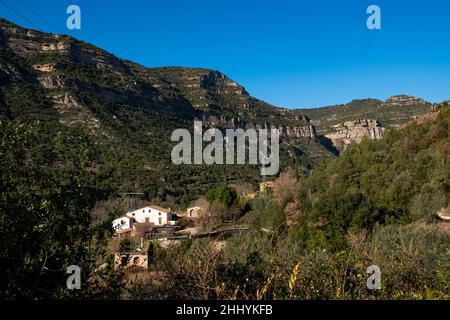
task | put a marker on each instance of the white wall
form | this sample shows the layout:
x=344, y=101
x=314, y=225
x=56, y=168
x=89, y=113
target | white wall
x=122, y=223
x=151, y=215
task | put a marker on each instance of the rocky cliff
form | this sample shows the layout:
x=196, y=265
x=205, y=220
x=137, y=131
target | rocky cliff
x=354, y=131
x=75, y=75
x=303, y=129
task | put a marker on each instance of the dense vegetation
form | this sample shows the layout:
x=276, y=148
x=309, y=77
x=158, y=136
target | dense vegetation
x=373, y=206
x=311, y=238
x=400, y=179
x=45, y=217
x=125, y=114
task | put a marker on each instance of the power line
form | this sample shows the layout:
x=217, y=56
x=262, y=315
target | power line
x=18, y=13
x=39, y=16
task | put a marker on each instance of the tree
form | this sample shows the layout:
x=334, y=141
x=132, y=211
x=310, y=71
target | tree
x=45, y=219
x=224, y=195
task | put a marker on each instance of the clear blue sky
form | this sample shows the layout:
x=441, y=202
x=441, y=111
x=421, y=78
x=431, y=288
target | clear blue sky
x=289, y=53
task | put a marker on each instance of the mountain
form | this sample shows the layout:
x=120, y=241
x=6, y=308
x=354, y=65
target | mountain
x=342, y=125
x=125, y=113
x=64, y=65
x=64, y=104
x=393, y=112
x=402, y=178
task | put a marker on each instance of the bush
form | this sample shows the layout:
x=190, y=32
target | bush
x=223, y=195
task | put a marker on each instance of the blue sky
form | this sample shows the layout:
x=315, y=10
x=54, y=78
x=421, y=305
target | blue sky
x=290, y=53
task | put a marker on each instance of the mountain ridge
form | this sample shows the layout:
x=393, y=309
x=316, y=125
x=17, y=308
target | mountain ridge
x=127, y=112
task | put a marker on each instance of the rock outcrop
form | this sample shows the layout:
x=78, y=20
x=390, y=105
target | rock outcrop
x=47, y=67
x=303, y=129
x=404, y=100
x=444, y=214
x=219, y=83
x=291, y=131
x=354, y=131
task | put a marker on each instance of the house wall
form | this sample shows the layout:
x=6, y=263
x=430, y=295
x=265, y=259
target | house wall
x=193, y=212
x=122, y=223
x=151, y=215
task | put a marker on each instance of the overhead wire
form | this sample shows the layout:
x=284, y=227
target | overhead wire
x=19, y=14
x=29, y=8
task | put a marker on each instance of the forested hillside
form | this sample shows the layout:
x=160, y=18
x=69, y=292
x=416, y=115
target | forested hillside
x=125, y=114
x=401, y=179
x=81, y=128
x=314, y=238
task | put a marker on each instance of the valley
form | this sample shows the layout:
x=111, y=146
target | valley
x=87, y=179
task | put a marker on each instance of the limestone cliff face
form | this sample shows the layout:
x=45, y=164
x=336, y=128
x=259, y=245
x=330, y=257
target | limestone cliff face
x=67, y=70
x=219, y=83
x=295, y=131
x=354, y=131
x=292, y=131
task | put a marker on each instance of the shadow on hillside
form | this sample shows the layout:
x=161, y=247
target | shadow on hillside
x=328, y=144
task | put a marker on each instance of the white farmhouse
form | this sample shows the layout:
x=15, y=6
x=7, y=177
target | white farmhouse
x=152, y=214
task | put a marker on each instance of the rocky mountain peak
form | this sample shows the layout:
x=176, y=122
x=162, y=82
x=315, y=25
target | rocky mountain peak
x=404, y=100
x=220, y=83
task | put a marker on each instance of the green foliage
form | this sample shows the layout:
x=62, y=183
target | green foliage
x=226, y=196
x=400, y=179
x=270, y=216
x=44, y=216
x=413, y=258
x=125, y=114
x=370, y=206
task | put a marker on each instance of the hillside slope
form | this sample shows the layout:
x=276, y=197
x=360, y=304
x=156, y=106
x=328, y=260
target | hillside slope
x=125, y=113
x=395, y=111
x=403, y=178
